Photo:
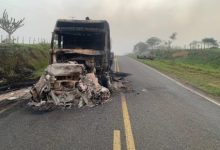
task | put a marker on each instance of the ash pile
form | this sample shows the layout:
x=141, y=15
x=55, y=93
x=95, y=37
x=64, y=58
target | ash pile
x=120, y=84
x=67, y=85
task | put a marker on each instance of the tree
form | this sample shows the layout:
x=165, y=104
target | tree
x=153, y=42
x=172, y=38
x=209, y=42
x=10, y=25
x=194, y=45
x=140, y=47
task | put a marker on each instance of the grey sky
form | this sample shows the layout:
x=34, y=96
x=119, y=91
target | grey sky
x=130, y=20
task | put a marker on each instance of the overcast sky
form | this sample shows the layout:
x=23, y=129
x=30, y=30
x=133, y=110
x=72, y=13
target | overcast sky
x=130, y=21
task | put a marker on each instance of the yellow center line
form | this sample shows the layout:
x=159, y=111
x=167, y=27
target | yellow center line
x=127, y=124
x=117, y=140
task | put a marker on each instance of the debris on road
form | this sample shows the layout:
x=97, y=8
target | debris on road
x=51, y=91
x=119, y=83
x=67, y=85
x=13, y=97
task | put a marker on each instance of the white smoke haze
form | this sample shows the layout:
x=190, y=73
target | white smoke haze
x=131, y=21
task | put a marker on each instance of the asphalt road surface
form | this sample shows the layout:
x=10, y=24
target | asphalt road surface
x=158, y=114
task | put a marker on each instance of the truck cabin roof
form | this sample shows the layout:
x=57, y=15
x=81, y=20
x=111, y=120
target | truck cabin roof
x=63, y=26
x=84, y=34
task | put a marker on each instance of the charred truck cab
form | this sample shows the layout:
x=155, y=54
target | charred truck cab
x=80, y=64
x=86, y=42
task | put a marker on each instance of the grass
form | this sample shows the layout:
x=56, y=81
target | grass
x=199, y=68
x=21, y=62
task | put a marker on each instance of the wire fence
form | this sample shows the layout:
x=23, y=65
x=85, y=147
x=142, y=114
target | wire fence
x=24, y=40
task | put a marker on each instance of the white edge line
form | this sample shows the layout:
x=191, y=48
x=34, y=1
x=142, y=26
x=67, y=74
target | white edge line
x=180, y=84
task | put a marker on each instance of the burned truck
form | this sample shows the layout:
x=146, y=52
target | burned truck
x=84, y=41
x=79, y=66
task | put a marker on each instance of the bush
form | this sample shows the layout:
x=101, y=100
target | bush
x=20, y=62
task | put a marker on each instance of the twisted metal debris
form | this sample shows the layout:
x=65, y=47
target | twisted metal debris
x=67, y=85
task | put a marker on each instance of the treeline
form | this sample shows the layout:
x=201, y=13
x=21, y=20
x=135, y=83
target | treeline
x=205, y=43
x=155, y=43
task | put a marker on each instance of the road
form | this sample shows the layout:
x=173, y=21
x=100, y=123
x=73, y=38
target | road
x=158, y=114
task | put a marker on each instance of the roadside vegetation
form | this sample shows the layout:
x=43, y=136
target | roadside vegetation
x=199, y=68
x=19, y=63
x=197, y=64
x=22, y=62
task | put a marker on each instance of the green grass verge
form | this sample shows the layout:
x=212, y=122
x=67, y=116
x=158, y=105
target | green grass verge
x=22, y=62
x=200, y=69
